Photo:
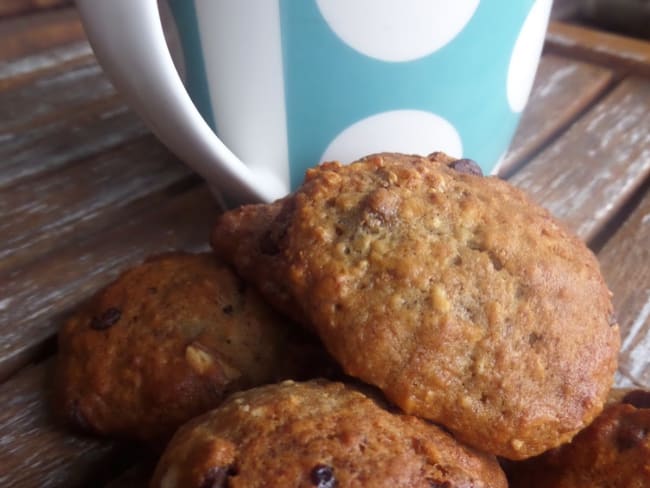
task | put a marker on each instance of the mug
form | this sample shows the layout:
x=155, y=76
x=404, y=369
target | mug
x=273, y=87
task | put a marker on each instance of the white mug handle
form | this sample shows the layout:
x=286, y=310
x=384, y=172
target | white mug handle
x=128, y=40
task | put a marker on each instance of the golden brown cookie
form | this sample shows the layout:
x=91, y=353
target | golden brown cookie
x=317, y=434
x=164, y=342
x=246, y=238
x=463, y=301
x=613, y=452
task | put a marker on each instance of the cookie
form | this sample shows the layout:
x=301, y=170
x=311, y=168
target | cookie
x=613, y=452
x=317, y=434
x=462, y=300
x=246, y=239
x=164, y=342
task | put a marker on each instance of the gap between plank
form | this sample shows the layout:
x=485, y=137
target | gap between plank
x=560, y=130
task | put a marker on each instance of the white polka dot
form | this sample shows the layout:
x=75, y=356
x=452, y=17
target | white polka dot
x=406, y=131
x=525, y=55
x=401, y=30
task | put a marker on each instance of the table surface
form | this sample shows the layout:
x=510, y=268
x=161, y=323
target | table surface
x=86, y=190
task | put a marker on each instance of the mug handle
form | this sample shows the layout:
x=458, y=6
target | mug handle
x=128, y=40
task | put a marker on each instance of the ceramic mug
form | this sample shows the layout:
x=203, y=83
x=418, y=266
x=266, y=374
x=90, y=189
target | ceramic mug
x=273, y=87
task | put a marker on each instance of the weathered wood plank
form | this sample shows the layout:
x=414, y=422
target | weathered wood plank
x=63, y=114
x=64, y=210
x=625, y=261
x=34, y=451
x=37, y=295
x=65, y=90
x=28, y=34
x=623, y=53
x=589, y=172
x=563, y=89
x=96, y=127
x=23, y=70
x=13, y=7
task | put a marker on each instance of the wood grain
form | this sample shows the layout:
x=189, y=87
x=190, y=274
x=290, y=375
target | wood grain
x=28, y=34
x=23, y=70
x=64, y=210
x=625, y=261
x=36, y=296
x=623, y=53
x=63, y=114
x=563, y=89
x=13, y=7
x=65, y=89
x=589, y=172
x=100, y=126
x=34, y=451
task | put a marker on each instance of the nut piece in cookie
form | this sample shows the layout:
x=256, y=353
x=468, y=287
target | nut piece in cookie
x=462, y=300
x=614, y=451
x=165, y=342
x=318, y=434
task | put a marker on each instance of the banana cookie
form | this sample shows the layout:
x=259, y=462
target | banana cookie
x=246, y=238
x=613, y=452
x=317, y=434
x=165, y=342
x=462, y=300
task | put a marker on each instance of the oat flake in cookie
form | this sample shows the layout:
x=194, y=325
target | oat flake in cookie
x=317, y=434
x=165, y=342
x=463, y=301
x=613, y=452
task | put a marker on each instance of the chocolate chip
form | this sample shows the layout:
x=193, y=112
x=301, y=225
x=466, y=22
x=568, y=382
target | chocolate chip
x=106, y=319
x=467, y=166
x=630, y=436
x=534, y=338
x=217, y=477
x=439, y=484
x=228, y=309
x=322, y=476
x=637, y=398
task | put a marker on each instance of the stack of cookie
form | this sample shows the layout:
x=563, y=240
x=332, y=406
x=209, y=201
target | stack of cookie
x=168, y=340
x=444, y=297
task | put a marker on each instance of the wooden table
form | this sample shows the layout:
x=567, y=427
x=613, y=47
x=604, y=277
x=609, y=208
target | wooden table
x=86, y=190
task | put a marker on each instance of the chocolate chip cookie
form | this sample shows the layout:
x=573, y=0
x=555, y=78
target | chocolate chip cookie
x=613, y=452
x=246, y=238
x=317, y=434
x=164, y=342
x=465, y=302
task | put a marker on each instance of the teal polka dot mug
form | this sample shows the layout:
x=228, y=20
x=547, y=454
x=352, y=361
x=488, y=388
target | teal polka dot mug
x=272, y=87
